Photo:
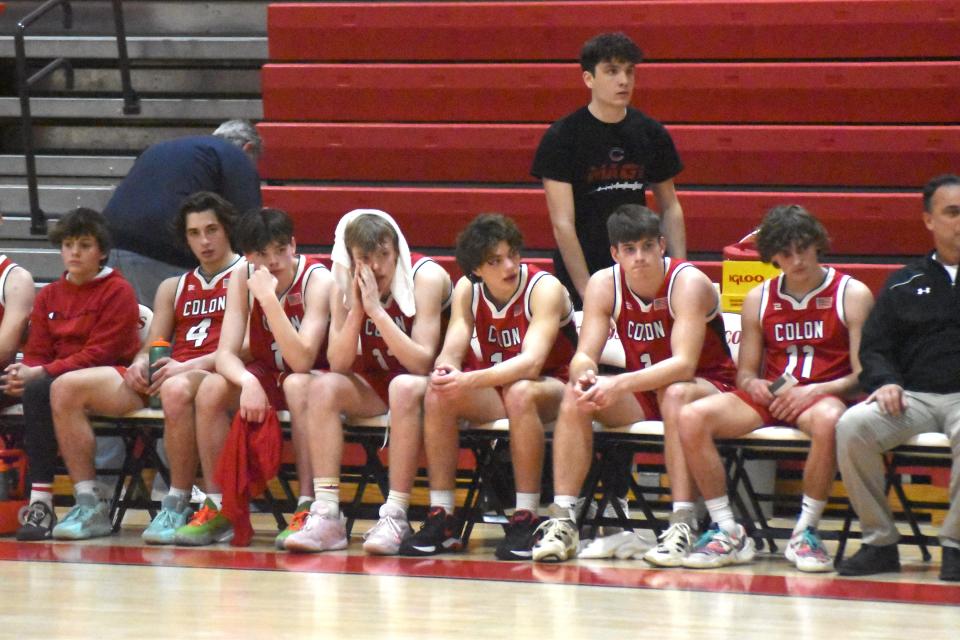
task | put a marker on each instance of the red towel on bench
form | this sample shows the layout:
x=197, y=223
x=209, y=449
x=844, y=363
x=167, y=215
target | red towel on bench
x=250, y=457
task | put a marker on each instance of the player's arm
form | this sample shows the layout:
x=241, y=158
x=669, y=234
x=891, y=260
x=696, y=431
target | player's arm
x=549, y=303
x=560, y=204
x=345, y=326
x=694, y=298
x=233, y=330
x=671, y=216
x=161, y=328
x=299, y=348
x=595, y=326
x=459, y=329
x=18, y=293
x=750, y=358
x=417, y=351
x=857, y=303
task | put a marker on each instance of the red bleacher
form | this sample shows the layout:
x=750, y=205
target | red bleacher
x=861, y=93
x=432, y=217
x=839, y=156
x=693, y=30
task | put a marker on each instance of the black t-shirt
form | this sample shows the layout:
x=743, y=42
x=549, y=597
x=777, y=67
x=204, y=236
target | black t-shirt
x=608, y=165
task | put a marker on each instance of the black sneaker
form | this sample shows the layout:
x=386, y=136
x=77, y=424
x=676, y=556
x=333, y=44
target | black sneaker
x=518, y=542
x=871, y=559
x=440, y=533
x=37, y=522
x=950, y=564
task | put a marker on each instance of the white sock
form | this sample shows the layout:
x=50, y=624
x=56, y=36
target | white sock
x=680, y=506
x=216, y=499
x=722, y=514
x=400, y=500
x=182, y=495
x=327, y=491
x=528, y=501
x=810, y=513
x=45, y=497
x=443, y=499
x=302, y=500
x=87, y=487
x=567, y=502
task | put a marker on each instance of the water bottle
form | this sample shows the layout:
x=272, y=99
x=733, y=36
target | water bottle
x=4, y=481
x=158, y=349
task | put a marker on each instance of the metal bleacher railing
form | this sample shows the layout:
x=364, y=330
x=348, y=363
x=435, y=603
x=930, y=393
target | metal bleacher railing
x=26, y=80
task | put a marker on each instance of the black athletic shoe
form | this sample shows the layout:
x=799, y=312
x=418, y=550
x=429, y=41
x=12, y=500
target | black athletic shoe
x=518, y=542
x=439, y=534
x=950, y=564
x=871, y=559
x=37, y=522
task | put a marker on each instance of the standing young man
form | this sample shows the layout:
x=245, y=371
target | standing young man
x=280, y=300
x=523, y=320
x=390, y=304
x=188, y=311
x=911, y=368
x=804, y=323
x=601, y=156
x=667, y=315
x=87, y=318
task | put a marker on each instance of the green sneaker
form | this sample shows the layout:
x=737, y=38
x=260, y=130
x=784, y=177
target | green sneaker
x=205, y=527
x=296, y=523
x=173, y=515
x=90, y=518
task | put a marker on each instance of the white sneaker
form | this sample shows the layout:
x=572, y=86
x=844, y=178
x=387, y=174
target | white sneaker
x=675, y=543
x=323, y=531
x=806, y=551
x=716, y=548
x=391, y=529
x=626, y=545
x=556, y=539
x=608, y=512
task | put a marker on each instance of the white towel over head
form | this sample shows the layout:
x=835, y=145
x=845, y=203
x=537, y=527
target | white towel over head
x=402, y=286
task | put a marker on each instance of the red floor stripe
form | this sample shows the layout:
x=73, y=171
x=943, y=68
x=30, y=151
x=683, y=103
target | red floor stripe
x=573, y=574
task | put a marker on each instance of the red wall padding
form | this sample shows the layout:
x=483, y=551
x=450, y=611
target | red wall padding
x=694, y=30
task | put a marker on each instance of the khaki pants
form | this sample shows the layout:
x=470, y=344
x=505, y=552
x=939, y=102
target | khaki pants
x=864, y=433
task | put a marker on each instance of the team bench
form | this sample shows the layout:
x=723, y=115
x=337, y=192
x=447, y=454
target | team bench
x=487, y=483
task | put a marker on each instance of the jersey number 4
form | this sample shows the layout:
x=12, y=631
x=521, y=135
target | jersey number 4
x=199, y=332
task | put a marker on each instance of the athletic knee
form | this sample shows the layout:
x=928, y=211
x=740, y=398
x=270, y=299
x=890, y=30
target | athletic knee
x=520, y=397
x=406, y=393
x=66, y=392
x=176, y=392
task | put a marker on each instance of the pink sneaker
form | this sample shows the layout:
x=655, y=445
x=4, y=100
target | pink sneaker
x=323, y=531
x=391, y=529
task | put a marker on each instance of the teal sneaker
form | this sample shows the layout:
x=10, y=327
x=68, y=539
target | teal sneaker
x=90, y=518
x=173, y=515
x=205, y=527
x=296, y=523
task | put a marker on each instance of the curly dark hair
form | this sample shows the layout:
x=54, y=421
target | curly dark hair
x=479, y=238
x=790, y=226
x=83, y=222
x=205, y=201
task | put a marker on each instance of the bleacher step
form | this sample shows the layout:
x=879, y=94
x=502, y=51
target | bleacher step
x=156, y=17
x=55, y=199
x=68, y=166
x=233, y=48
x=195, y=109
